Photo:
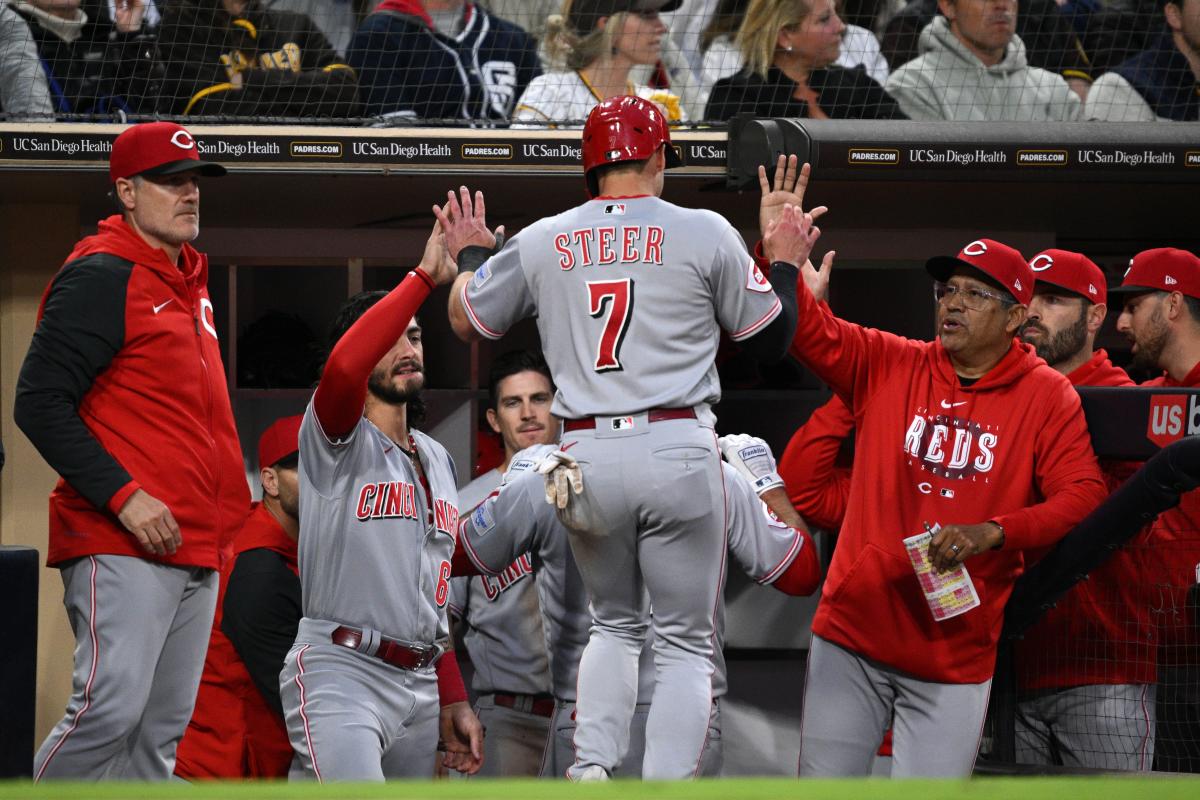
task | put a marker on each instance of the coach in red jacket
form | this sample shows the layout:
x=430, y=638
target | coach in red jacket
x=123, y=393
x=1161, y=317
x=237, y=728
x=973, y=432
x=1086, y=669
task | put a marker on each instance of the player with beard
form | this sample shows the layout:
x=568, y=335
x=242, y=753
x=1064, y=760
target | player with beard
x=379, y=515
x=1161, y=318
x=1086, y=670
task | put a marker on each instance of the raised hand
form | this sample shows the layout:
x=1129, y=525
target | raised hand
x=817, y=280
x=464, y=221
x=790, y=236
x=436, y=261
x=788, y=189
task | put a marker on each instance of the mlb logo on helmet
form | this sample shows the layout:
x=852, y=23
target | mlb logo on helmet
x=1171, y=416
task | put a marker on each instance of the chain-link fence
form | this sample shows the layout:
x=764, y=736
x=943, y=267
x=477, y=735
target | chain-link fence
x=546, y=63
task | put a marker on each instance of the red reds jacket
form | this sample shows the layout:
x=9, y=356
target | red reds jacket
x=1101, y=631
x=123, y=388
x=233, y=732
x=1012, y=447
x=1176, y=553
x=817, y=487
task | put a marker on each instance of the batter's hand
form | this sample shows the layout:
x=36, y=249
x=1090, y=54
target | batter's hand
x=752, y=457
x=563, y=476
x=149, y=519
x=461, y=737
x=464, y=221
x=954, y=544
x=790, y=237
x=787, y=190
x=436, y=261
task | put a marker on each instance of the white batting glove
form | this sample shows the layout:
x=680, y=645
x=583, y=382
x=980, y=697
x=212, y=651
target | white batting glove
x=562, y=476
x=752, y=457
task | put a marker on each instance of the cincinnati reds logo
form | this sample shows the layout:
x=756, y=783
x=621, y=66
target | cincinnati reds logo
x=1041, y=263
x=950, y=447
x=975, y=248
x=183, y=140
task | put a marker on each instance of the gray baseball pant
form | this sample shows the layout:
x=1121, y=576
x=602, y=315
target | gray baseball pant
x=1100, y=726
x=353, y=717
x=849, y=701
x=141, y=634
x=515, y=740
x=653, y=522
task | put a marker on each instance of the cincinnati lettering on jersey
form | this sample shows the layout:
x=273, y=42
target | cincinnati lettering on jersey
x=445, y=517
x=387, y=500
x=627, y=244
x=493, y=586
x=951, y=447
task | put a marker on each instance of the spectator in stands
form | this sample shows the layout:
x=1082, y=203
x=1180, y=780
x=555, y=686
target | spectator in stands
x=336, y=19
x=973, y=67
x=1161, y=82
x=236, y=58
x=1050, y=42
x=23, y=90
x=789, y=48
x=528, y=14
x=600, y=42
x=1161, y=319
x=96, y=62
x=441, y=60
x=237, y=728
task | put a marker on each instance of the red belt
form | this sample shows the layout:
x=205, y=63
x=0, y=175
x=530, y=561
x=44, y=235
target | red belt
x=398, y=655
x=540, y=706
x=653, y=415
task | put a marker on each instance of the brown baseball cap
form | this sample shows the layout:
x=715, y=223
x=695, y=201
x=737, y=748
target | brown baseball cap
x=585, y=14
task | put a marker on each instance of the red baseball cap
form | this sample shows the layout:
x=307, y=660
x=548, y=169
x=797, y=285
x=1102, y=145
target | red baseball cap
x=157, y=148
x=1074, y=272
x=998, y=261
x=279, y=441
x=1163, y=269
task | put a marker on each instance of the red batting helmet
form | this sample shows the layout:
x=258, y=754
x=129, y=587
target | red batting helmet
x=625, y=128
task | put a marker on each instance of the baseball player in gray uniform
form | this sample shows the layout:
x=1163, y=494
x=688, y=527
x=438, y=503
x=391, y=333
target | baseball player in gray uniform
x=378, y=518
x=503, y=622
x=516, y=517
x=630, y=268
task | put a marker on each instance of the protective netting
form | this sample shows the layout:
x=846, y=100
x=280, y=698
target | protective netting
x=542, y=62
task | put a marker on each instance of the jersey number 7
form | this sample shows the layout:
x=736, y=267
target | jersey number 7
x=615, y=298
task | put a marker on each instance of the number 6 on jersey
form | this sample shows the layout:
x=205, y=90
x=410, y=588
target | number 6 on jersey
x=618, y=297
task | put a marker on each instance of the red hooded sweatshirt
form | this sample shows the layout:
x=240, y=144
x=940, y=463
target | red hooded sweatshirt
x=1013, y=447
x=124, y=388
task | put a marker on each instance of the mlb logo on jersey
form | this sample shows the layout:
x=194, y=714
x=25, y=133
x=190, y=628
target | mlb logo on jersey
x=483, y=519
x=614, y=208
x=482, y=274
x=622, y=423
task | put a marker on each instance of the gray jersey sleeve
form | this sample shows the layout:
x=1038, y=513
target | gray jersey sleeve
x=745, y=302
x=762, y=545
x=498, y=295
x=460, y=589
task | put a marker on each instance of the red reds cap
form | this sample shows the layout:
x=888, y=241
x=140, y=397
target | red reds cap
x=998, y=261
x=157, y=148
x=1163, y=269
x=1074, y=272
x=279, y=441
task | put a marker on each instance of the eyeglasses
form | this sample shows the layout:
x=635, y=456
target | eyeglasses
x=973, y=299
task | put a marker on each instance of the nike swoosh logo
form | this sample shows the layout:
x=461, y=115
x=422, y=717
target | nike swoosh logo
x=161, y=306
x=953, y=405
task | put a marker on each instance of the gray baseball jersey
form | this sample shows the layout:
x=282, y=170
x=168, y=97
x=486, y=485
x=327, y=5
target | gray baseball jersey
x=504, y=634
x=372, y=552
x=630, y=293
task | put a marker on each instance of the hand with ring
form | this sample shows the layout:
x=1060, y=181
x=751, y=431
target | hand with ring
x=954, y=544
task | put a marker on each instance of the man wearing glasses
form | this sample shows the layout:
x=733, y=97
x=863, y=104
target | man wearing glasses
x=973, y=433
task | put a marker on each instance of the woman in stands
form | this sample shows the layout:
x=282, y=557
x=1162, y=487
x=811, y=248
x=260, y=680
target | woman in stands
x=593, y=47
x=789, y=48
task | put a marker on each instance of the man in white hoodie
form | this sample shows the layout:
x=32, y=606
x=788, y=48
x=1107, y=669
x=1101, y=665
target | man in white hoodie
x=973, y=67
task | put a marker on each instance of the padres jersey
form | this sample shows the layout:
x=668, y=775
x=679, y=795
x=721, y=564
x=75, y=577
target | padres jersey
x=503, y=618
x=632, y=294
x=372, y=552
x=567, y=97
x=518, y=519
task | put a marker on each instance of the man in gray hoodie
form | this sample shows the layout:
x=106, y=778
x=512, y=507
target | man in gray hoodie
x=23, y=90
x=973, y=67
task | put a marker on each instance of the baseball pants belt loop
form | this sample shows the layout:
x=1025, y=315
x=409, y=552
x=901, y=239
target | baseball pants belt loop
x=526, y=703
x=404, y=656
x=653, y=415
